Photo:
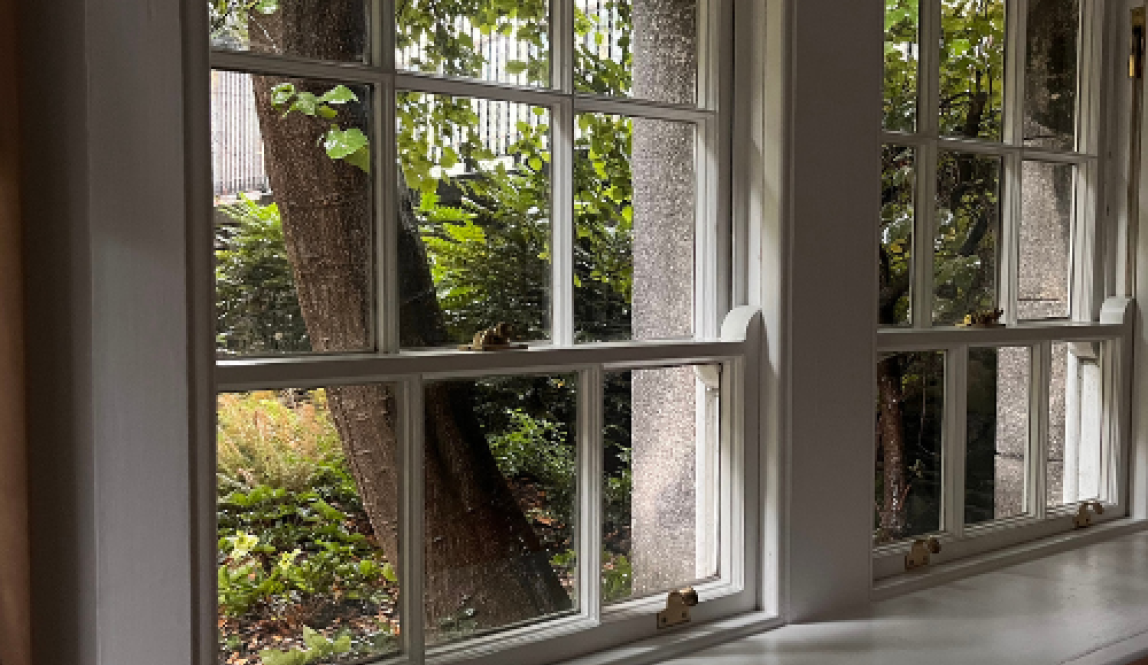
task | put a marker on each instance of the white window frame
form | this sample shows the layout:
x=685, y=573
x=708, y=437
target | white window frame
x=121, y=350
x=593, y=626
x=1093, y=235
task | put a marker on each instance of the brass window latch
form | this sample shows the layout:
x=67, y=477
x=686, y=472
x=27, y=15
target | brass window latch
x=678, y=605
x=921, y=552
x=1083, y=518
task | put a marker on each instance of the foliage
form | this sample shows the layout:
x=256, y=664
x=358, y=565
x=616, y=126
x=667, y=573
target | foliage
x=283, y=440
x=318, y=648
x=536, y=448
x=257, y=309
x=617, y=577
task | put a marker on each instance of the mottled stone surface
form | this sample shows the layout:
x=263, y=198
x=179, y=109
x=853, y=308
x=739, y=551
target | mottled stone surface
x=664, y=409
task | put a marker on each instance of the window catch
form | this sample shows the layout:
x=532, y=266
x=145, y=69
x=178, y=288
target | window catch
x=1084, y=514
x=495, y=338
x=678, y=605
x=921, y=552
x=1136, y=57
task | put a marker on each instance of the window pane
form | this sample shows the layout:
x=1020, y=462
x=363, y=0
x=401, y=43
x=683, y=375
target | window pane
x=1050, y=73
x=475, y=182
x=307, y=522
x=292, y=215
x=661, y=484
x=1043, y=275
x=972, y=68
x=910, y=415
x=492, y=41
x=898, y=179
x=968, y=218
x=1075, y=430
x=635, y=219
x=501, y=499
x=647, y=50
x=314, y=29
x=998, y=416
x=902, y=23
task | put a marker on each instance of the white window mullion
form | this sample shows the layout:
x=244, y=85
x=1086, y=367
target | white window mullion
x=562, y=222
x=925, y=194
x=706, y=160
x=1039, y=399
x=386, y=218
x=1008, y=244
x=954, y=442
x=590, y=474
x=412, y=530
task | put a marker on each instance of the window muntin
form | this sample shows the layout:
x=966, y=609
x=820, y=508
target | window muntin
x=519, y=131
x=1001, y=151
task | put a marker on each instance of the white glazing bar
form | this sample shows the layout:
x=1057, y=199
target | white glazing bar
x=562, y=223
x=733, y=478
x=383, y=34
x=925, y=194
x=1037, y=430
x=954, y=443
x=706, y=157
x=562, y=60
x=412, y=530
x=590, y=474
x=899, y=339
x=1011, y=196
x=1016, y=20
x=1008, y=242
x=721, y=86
x=1041, y=399
x=386, y=219
x=334, y=370
x=285, y=65
x=640, y=109
x=1086, y=247
x=925, y=215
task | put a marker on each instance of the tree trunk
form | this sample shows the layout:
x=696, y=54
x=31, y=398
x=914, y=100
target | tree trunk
x=664, y=503
x=892, y=432
x=482, y=556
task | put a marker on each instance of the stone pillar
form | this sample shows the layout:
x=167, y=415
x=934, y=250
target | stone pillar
x=664, y=401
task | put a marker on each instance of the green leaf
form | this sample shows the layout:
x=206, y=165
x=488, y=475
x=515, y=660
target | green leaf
x=340, y=94
x=341, y=143
x=281, y=94
x=305, y=103
x=535, y=163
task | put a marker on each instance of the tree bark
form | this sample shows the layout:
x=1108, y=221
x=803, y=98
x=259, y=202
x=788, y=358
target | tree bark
x=664, y=442
x=482, y=555
x=891, y=430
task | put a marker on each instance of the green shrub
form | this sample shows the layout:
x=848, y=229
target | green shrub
x=274, y=439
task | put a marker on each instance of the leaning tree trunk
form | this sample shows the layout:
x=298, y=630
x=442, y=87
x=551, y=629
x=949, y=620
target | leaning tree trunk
x=891, y=431
x=664, y=410
x=481, y=554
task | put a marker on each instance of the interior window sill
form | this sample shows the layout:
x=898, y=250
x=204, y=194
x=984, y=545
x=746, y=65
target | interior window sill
x=1086, y=606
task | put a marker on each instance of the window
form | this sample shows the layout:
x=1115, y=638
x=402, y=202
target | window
x=989, y=430
x=474, y=387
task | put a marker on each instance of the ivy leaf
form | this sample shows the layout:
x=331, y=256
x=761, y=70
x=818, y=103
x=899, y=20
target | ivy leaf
x=340, y=94
x=341, y=144
x=281, y=94
x=306, y=103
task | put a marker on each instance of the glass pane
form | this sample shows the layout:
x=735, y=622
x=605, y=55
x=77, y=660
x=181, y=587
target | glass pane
x=1075, y=428
x=661, y=484
x=647, y=50
x=898, y=179
x=475, y=183
x=972, y=68
x=503, y=42
x=313, y=29
x=501, y=497
x=290, y=162
x=902, y=22
x=1043, y=276
x=965, y=246
x=307, y=502
x=635, y=219
x=910, y=422
x=997, y=436
x=1050, y=73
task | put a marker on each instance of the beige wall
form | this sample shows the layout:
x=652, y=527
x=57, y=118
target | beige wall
x=14, y=597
